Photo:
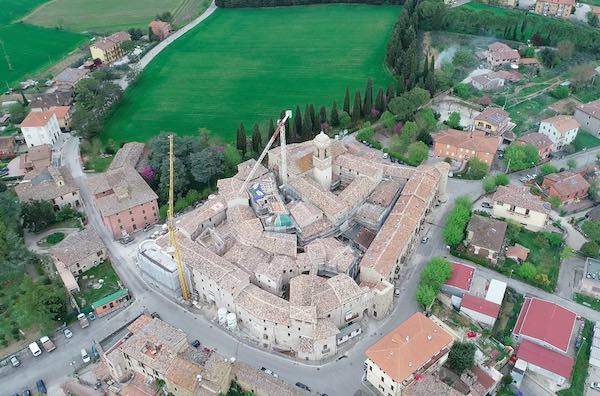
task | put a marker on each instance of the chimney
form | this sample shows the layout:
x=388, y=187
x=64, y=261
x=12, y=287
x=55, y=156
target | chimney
x=429, y=338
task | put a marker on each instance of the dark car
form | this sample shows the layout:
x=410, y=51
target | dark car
x=155, y=315
x=41, y=387
x=302, y=386
x=486, y=205
x=195, y=343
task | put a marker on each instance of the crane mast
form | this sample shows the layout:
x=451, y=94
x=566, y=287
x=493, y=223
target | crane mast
x=185, y=292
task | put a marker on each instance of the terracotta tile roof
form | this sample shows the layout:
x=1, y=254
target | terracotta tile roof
x=485, y=79
x=36, y=119
x=562, y=123
x=263, y=305
x=47, y=100
x=566, y=2
x=545, y=358
x=591, y=108
x=408, y=347
x=474, y=140
x=130, y=154
x=483, y=378
x=493, y=115
x=539, y=140
x=7, y=143
x=60, y=111
x=487, y=233
x=518, y=252
x=462, y=275
x=46, y=184
x=120, y=189
x=71, y=75
x=528, y=61
x=566, y=183
x=480, y=305
x=160, y=25
x=78, y=246
x=498, y=46
x=546, y=322
x=112, y=40
x=520, y=197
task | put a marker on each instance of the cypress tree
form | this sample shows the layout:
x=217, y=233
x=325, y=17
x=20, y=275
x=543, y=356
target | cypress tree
x=347, y=101
x=241, y=139
x=334, y=116
x=524, y=26
x=256, y=139
x=297, y=123
x=401, y=86
x=390, y=94
x=307, y=125
x=430, y=81
x=380, y=101
x=313, y=117
x=515, y=30
x=272, y=129
x=322, y=115
x=425, y=68
x=368, y=105
x=356, y=110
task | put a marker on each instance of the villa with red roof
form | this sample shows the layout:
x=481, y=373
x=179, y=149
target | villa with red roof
x=545, y=323
x=460, y=281
x=480, y=309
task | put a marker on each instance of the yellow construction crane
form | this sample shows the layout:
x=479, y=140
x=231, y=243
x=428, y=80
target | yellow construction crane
x=185, y=292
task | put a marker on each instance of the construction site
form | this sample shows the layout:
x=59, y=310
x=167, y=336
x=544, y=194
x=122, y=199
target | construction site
x=300, y=252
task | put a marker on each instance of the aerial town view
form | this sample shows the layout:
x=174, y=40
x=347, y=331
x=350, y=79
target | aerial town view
x=300, y=197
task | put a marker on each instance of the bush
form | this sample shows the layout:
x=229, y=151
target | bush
x=458, y=218
x=55, y=238
x=461, y=356
x=388, y=119
x=560, y=92
x=345, y=120
x=435, y=273
x=590, y=249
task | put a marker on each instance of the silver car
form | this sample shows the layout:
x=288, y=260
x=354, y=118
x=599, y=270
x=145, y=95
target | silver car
x=15, y=361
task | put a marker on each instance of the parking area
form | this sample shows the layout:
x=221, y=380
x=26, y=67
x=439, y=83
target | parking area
x=593, y=376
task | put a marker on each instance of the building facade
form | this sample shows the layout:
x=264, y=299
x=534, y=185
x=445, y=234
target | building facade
x=561, y=130
x=541, y=142
x=518, y=204
x=588, y=116
x=109, y=49
x=492, y=120
x=556, y=8
x=567, y=186
x=462, y=146
x=40, y=128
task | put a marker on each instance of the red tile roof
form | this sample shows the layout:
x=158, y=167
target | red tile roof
x=483, y=378
x=480, y=305
x=545, y=358
x=462, y=275
x=547, y=322
x=519, y=252
x=37, y=119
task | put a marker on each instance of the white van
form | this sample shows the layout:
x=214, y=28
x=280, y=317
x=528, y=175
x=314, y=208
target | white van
x=84, y=356
x=35, y=349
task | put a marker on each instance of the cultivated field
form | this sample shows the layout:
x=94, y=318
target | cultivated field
x=249, y=64
x=27, y=49
x=101, y=16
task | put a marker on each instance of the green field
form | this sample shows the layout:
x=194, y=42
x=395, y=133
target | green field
x=101, y=16
x=249, y=64
x=28, y=49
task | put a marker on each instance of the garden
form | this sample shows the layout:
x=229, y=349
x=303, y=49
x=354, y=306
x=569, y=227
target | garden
x=273, y=59
x=96, y=283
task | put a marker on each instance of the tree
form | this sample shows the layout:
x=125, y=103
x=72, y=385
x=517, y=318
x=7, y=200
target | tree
x=44, y=302
x=38, y=215
x=401, y=107
x=592, y=19
x=206, y=165
x=368, y=104
x=425, y=119
x=418, y=97
x=241, y=144
x=582, y=74
x=380, y=101
x=560, y=92
x=135, y=34
x=165, y=17
x=565, y=49
x=461, y=356
x=489, y=184
x=458, y=218
x=271, y=130
x=231, y=159
x=590, y=249
x=307, y=125
x=345, y=120
x=17, y=112
x=347, y=101
x=548, y=57
x=334, y=117
x=502, y=179
x=464, y=58
x=527, y=271
x=537, y=40
x=256, y=139
x=356, y=108
x=454, y=121
x=521, y=156
x=313, y=119
x=425, y=295
x=476, y=168
x=572, y=163
x=298, y=121
x=417, y=152
x=462, y=91
x=322, y=116
x=554, y=201
x=389, y=93
x=437, y=271
x=591, y=229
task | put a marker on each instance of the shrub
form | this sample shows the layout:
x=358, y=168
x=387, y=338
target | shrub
x=388, y=119
x=590, y=249
x=461, y=356
x=458, y=218
x=55, y=238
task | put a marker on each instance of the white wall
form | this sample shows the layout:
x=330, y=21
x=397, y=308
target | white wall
x=478, y=316
x=48, y=134
x=558, y=140
x=533, y=221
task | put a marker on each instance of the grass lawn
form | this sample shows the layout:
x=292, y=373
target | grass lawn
x=590, y=92
x=507, y=319
x=585, y=139
x=100, y=16
x=501, y=11
x=31, y=49
x=89, y=294
x=250, y=64
x=52, y=239
x=580, y=370
x=98, y=164
x=526, y=114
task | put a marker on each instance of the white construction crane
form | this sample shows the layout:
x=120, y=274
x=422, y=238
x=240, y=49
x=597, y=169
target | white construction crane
x=283, y=161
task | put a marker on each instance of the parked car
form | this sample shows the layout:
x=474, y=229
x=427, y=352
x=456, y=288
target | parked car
x=155, y=315
x=595, y=386
x=302, y=386
x=26, y=392
x=35, y=349
x=195, y=343
x=92, y=316
x=41, y=387
x=15, y=361
x=397, y=292
x=487, y=205
x=68, y=333
x=84, y=356
x=267, y=371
